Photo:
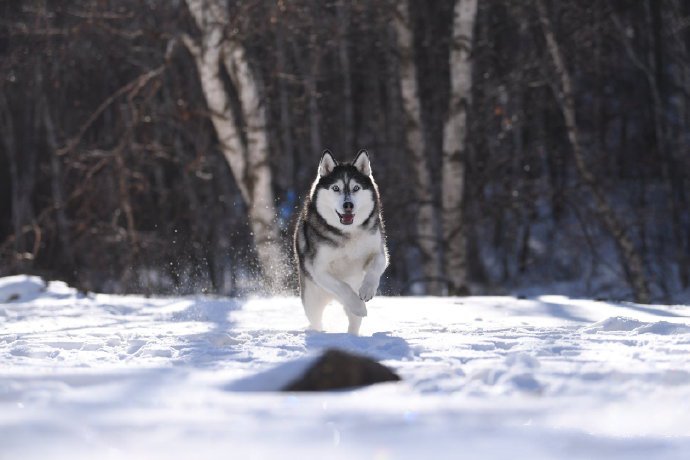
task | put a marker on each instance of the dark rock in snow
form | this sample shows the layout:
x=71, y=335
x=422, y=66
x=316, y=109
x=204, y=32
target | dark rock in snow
x=337, y=369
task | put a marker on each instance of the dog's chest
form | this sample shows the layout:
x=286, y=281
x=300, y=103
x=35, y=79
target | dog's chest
x=351, y=257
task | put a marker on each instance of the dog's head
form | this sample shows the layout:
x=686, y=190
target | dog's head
x=345, y=193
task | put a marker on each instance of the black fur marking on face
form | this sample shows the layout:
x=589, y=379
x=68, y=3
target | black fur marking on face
x=344, y=172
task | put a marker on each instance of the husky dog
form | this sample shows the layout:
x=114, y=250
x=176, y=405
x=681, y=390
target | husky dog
x=340, y=244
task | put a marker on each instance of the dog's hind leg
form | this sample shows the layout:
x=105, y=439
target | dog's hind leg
x=314, y=300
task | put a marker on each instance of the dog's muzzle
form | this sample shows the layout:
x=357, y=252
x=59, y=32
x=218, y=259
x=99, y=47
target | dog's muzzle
x=346, y=218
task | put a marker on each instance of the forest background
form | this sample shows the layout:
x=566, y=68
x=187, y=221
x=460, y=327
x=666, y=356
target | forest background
x=519, y=146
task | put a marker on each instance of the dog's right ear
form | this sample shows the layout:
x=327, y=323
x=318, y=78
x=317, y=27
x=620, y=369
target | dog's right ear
x=327, y=163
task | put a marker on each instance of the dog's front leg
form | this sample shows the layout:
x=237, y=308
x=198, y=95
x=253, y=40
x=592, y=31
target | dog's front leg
x=342, y=292
x=374, y=270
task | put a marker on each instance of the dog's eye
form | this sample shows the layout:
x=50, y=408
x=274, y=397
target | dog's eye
x=335, y=188
x=355, y=188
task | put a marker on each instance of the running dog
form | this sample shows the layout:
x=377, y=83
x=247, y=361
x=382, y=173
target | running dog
x=340, y=243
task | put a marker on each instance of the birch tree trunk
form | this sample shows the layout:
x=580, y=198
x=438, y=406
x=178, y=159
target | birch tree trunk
x=455, y=146
x=630, y=258
x=416, y=152
x=249, y=162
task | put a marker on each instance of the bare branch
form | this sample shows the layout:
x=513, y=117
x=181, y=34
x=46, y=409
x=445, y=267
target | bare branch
x=132, y=87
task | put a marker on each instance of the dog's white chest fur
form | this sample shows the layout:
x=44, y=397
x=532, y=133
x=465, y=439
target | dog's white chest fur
x=348, y=261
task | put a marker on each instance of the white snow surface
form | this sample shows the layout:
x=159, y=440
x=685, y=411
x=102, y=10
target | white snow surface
x=128, y=377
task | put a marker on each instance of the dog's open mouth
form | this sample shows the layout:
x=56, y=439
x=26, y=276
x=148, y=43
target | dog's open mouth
x=347, y=218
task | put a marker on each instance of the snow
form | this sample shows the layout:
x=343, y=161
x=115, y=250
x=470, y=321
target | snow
x=130, y=377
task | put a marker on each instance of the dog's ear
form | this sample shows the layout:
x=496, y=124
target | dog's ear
x=327, y=163
x=362, y=162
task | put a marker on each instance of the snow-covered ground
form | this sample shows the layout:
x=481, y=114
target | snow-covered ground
x=126, y=377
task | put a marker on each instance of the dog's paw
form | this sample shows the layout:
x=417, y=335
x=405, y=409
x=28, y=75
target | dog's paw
x=358, y=308
x=368, y=290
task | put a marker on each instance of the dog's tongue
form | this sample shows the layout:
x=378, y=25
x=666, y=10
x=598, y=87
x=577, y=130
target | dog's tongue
x=346, y=219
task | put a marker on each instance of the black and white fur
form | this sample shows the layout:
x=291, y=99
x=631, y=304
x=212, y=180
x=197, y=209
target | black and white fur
x=340, y=243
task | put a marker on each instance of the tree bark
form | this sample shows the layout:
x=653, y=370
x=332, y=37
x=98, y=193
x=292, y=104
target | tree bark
x=630, y=258
x=22, y=168
x=344, y=58
x=426, y=235
x=290, y=158
x=56, y=179
x=10, y=147
x=670, y=164
x=248, y=162
x=455, y=145
x=312, y=75
x=308, y=63
x=681, y=78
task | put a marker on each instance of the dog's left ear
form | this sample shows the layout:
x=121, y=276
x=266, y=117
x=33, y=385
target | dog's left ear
x=362, y=162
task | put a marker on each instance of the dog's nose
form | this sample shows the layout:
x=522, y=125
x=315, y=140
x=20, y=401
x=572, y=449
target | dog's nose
x=347, y=206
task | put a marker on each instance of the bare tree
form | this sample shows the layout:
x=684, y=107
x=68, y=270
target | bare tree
x=427, y=240
x=630, y=258
x=289, y=156
x=455, y=145
x=652, y=70
x=343, y=15
x=248, y=161
x=22, y=168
